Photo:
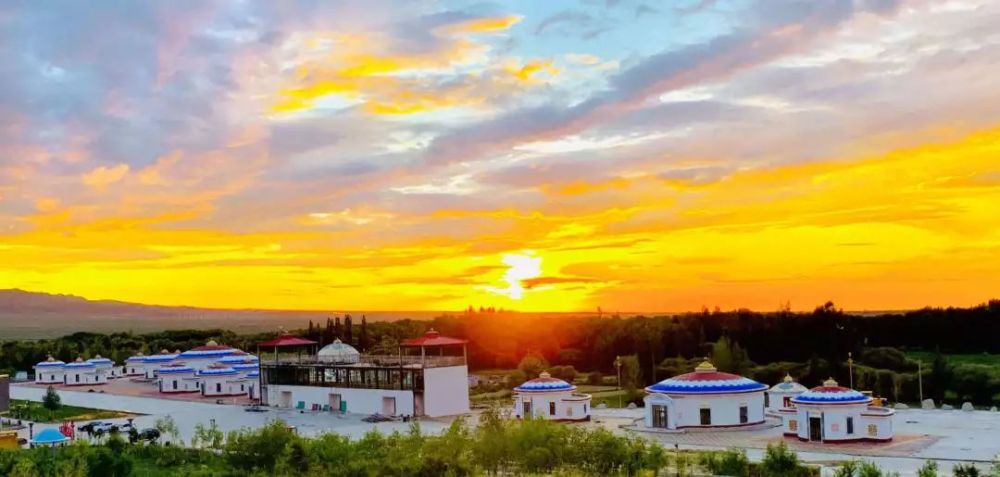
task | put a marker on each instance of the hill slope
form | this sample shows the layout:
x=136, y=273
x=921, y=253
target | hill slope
x=25, y=314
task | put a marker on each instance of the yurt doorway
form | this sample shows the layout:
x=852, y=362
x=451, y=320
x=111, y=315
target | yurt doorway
x=815, y=428
x=334, y=402
x=388, y=406
x=660, y=417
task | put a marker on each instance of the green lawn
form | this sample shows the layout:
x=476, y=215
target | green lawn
x=927, y=358
x=33, y=411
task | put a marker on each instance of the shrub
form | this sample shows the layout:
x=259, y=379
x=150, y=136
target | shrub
x=779, y=460
x=929, y=469
x=566, y=373
x=732, y=463
x=51, y=401
x=595, y=378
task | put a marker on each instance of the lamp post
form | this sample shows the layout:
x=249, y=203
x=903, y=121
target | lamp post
x=618, y=372
x=850, y=368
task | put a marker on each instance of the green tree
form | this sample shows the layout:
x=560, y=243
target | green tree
x=722, y=355
x=631, y=374
x=51, y=400
x=532, y=364
x=208, y=436
x=168, y=427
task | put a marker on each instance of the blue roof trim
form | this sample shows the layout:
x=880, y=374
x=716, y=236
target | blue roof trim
x=671, y=386
x=158, y=358
x=81, y=365
x=50, y=364
x=175, y=370
x=217, y=372
x=543, y=387
x=810, y=397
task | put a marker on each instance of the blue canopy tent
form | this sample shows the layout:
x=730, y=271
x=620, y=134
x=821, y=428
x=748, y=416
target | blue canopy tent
x=49, y=437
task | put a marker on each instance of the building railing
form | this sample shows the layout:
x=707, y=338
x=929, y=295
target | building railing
x=340, y=376
x=384, y=360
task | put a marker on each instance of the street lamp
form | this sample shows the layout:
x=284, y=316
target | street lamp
x=618, y=372
x=850, y=368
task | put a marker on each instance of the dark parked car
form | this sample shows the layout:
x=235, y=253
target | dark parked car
x=149, y=434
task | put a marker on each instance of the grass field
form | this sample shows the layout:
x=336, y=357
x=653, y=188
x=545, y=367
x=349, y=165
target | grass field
x=33, y=411
x=927, y=357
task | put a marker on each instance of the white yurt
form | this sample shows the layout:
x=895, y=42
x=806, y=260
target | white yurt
x=135, y=365
x=50, y=371
x=205, y=356
x=704, y=398
x=780, y=395
x=103, y=365
x=338, y=352
x=221, y=380
x=177, y=378
x=832, y=413
x=83, y=373
x=550, y=398
x=151, y=364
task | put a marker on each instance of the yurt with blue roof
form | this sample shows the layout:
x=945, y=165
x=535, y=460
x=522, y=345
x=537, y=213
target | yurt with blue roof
x=550, y=398
x=83, y=373
x=222, y=380
x=704, y=398
x=178, y=378
x=202, y=357
x=104, y=366
x=50, y=371
x=135, y=365
x=152, y=363
x=833, y=413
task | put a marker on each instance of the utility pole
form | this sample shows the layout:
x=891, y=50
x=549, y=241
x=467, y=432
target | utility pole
x=920, y=379
x=850, y=368
x=618, y=371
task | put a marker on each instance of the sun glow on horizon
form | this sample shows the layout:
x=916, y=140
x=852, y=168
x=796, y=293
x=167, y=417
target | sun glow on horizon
x=521, y=266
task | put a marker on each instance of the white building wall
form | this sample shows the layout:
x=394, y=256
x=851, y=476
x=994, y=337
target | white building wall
x=84, y=378
x=359, y=401
x=184, y=383
x=135, y=369
x=50, y=376
x=834, y=422
x=223, y=386
x=446, y=391
x=685, y=410
x=776, y=400
x=551, y=405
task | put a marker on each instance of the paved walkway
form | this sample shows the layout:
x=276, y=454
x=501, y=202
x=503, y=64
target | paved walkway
x=945, y=436
x=228, y=417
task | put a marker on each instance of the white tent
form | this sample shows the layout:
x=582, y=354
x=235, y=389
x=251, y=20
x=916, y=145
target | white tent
x=338, y=352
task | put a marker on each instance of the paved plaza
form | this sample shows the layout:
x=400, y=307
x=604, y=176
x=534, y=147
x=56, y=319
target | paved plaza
x=946, y=436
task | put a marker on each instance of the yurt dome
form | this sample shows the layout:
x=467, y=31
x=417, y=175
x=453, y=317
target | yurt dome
x=788, y=386
x=175, y=369
x=218, y=371
x=210, y=349
x=544, y=383
x=80, y=363
x=239, y=358
x=136, y=357
x=164, y=356
x=831, y=393
x=50, y=363
x=706, y=380
x=98, y=360
x=338, y=352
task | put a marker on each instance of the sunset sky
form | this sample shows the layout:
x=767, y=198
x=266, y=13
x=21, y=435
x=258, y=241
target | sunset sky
x=532, y=155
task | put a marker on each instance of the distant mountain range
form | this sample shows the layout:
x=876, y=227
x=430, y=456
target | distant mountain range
x=25, y=314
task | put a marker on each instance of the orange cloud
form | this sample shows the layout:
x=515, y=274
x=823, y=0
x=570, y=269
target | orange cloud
x=483, y=25
x=103, y=176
